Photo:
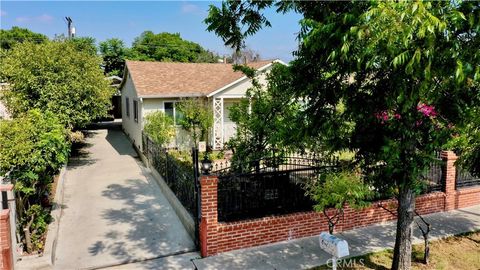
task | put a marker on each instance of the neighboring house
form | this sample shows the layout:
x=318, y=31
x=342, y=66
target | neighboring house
x=116, y=110
x=151, y=86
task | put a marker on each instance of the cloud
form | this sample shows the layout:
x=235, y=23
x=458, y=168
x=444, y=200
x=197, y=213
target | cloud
x=189, y=8
x=44, y=18
x=3, y=13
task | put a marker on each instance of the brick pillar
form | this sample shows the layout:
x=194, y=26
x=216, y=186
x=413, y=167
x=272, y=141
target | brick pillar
x=450, y=175
x=6, y=256
x=209, y=221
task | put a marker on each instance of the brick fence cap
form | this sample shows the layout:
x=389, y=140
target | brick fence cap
x=4, y=214
x=8, y=187
x=448, y=154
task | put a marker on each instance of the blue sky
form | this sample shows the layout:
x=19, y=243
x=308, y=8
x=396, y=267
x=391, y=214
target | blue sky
x=128, y=19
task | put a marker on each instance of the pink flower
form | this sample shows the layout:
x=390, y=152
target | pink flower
x=397, y=116
x=383, y=116
x=427, y=110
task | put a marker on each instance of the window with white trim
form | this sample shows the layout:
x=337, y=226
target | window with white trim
x=170, y=110
x=135, y=111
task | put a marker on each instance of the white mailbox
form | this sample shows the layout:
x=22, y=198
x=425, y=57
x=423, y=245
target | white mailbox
x=202, y=146
x=333, y=245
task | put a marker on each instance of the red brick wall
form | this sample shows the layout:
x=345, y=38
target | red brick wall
x=216, y=237
x=5, y=243
x=466, y=197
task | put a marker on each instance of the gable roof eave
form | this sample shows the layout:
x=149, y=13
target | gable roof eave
x=223, y=88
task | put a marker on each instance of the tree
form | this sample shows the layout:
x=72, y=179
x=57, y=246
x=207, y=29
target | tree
x=266, y=119
x=159, y=127
x=32, y=149
x=407, y=74
x=8, y=38
x=113, y=52
x=58, y=78
x=337, y=190
x=85, y=44
x=196, y=117
x=168, y=47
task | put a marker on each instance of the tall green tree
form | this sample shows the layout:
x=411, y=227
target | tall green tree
x=196, y=118
x=8, y=38
x=266, y=119
x=55, y=77
x=168, y=47
x=113, y=52
x=85, y=44
x=407, y=74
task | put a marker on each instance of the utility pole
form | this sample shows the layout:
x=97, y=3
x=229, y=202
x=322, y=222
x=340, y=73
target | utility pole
x=71, y=29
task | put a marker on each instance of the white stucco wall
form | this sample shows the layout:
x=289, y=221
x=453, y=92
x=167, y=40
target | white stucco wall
x=232, y=95
x=182, y=138
x=240, y=89
x=130, y=127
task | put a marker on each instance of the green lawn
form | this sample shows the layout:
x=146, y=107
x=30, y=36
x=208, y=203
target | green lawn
x=457, y=252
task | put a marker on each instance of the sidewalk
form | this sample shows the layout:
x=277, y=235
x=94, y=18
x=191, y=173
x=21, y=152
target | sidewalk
x=305, y=253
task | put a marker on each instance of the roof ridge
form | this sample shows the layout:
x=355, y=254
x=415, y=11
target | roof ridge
x=193, y=63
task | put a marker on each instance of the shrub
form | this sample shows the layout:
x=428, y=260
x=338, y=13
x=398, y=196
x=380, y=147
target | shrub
x=197, y=118
x=32, y=148
x=159, y=127
x=338, y=190
x=55, y=76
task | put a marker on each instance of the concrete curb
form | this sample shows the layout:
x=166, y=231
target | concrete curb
x=182, y=213
x=57, y=211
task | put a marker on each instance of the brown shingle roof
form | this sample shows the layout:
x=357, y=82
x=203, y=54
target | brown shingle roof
x=183, y=79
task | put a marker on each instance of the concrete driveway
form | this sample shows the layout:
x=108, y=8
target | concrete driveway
x=113, y=211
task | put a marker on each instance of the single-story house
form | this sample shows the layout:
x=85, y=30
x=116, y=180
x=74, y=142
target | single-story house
x=151, y=86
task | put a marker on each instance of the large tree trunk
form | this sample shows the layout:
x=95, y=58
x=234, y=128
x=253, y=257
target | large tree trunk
x=402, y=253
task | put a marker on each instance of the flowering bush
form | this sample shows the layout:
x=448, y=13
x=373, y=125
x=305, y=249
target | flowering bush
x=427, y=110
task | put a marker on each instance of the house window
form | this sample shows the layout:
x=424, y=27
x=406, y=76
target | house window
x=127, y=107
x=171, y=111
x=135, y=111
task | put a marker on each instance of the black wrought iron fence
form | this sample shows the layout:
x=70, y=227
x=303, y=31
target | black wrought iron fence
x=178, y=174
x=434, y=176
x=465, y=178
x=272, y=187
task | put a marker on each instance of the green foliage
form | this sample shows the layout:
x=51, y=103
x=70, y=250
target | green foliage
x=196, y=117
x=228, y=20
x=406, y=72
x=337, y=190
x=8, y=38
x=377, y=58
x=113, y=52
x=55, y=77
x=169, y=48
x=183, y=159
x=159, y=127
x=467, y=144
x=267, y=119
x=32, y=149
x=84, y=44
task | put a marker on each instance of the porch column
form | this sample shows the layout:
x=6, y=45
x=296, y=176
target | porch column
x=217, y=123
